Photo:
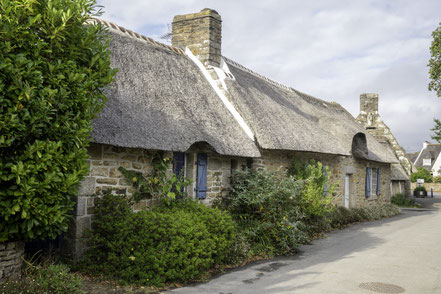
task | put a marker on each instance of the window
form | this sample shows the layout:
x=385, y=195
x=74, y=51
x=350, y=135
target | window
x=325, y=188
x=179, y=163
x=373, y=181
x=201, y=179
x=427, y=161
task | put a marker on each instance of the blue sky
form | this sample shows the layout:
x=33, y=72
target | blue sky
x=332, y=49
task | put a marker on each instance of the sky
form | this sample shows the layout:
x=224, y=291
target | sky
x=331, y=49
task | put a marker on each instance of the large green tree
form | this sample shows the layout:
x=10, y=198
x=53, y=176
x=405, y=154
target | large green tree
x=435, y=75
x=53, y=68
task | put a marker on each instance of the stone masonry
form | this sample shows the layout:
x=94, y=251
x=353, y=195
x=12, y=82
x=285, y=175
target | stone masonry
x=202, y=33
x=338, y=166
x=11, y=261
x=105, y=160
x=373, y=123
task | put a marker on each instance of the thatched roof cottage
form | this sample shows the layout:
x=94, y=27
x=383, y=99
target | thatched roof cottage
x=213, y=115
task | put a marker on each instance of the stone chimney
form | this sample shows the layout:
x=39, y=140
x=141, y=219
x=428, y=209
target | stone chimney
x=369, y=103
x=202, y=33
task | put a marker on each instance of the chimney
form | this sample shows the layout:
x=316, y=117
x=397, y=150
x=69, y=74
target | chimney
x=369, y=103
x=202, y=33
x=425, y=144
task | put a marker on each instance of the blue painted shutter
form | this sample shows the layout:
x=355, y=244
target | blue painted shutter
x=368, y=181
x=325, y=188
x=201, y=181
x=178, y=163
x=378, y=180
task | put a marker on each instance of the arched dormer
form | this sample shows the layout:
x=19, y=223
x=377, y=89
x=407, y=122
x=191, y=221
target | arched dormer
x=359, y=146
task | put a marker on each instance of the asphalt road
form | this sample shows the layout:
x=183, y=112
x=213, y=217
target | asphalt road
x=396, y=255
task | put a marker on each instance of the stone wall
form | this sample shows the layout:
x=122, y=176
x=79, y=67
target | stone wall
x=339, y=166
x=11, y=260
x=104, y=161
x=400, y=187
x=435, y=186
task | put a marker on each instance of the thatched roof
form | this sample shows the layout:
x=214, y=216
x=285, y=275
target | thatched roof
x=160, y=100
x=285, y=119
x=398, y=173
x=431, y=152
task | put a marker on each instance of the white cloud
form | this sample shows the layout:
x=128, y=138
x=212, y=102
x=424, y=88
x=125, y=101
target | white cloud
x=333, y=49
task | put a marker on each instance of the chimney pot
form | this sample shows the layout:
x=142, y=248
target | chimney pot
x=201, y=33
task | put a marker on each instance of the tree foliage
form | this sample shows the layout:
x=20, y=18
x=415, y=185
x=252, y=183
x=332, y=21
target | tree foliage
x=421, y=173
x=52, y=71
x=435, y=62
x=435, y=75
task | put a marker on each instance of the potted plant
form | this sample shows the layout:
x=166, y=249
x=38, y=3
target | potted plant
x=420, y=191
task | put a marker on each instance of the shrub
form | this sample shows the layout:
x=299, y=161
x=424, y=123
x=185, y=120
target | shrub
x=401, y=200
x=159, y=184
x=52, y=72
x=175, y=243
x=421, y=173
x=436, y=179
x=420, y=188
x=54, y=278
x=265, y=207
x=342, y=216
x=314, y=200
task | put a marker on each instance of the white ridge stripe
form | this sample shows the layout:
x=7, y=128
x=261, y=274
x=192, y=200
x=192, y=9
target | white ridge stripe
x=221, y=95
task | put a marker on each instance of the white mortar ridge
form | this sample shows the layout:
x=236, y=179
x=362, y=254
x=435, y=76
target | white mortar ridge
x=220, y=94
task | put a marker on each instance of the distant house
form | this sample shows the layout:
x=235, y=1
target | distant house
x=212, y=116
x=412, y=156
x=370, y=119
x=429, y=158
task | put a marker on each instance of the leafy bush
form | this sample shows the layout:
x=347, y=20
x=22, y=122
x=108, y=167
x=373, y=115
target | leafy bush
x=159, y=184
x=342, y=216
x=54, y=278
x=401, y=200
x=314, y=200
x=421, y=173
x=265, y=207
x=167, y=244
x=52, y=72
x=420, y=188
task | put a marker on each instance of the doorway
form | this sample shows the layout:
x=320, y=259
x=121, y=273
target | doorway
x=347, y=190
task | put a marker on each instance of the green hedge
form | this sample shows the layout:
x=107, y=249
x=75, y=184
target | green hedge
x=53, y=70
x=169, y=244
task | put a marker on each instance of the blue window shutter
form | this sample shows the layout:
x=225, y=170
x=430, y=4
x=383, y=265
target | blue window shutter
x=368, y=181
x=378, y=180
x=325, y=188
x=178, y=163
x=201, y=181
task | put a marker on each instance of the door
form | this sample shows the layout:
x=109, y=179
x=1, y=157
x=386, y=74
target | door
x=347, y=190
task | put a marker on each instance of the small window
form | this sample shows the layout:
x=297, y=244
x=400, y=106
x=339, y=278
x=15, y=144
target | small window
x=234, y=165
x=179, y=163
x=373, y=181
x=249, y=163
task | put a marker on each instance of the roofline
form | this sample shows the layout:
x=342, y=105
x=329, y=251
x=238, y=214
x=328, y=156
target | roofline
x=132, y=34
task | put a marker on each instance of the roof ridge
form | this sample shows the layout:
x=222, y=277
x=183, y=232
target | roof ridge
x=275, y=83
x=133, y=34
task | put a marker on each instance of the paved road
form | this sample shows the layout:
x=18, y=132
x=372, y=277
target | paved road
x=397, y=255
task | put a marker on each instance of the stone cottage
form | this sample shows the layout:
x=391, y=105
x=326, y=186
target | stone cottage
x=213, y=115
x=370, y=119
